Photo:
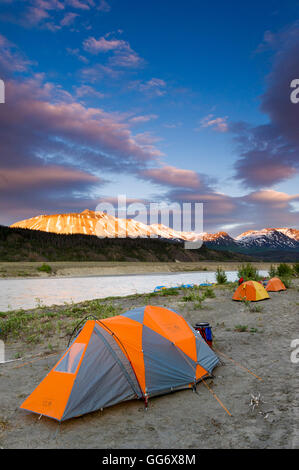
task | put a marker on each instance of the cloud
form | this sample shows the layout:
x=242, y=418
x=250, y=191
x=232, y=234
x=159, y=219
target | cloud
x=39, y=10
x=94, y=46
x=81, y=5
x=52, y=14
x=126, y=59
x=123, y=54
x=43, y=178
x=97, y=72
x=154, y=86
x=259, y=209
x=11, y=59
x=54, y=148
x=144, y=118
x=276, y=199
x=172, y=176
x=68, y=19
x=104, y=6
x=269, y=153
x=216, y=123
x=76, y=53
x=86, y=90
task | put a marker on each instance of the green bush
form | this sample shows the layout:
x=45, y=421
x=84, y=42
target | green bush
x=169, y=291
x=44, y=268
x=272, y=271
x=296, y=269
x=284, y=270
x=241, y=328
x=287, y=281
x=221, y=276
x=248, y=272
x=208, y=293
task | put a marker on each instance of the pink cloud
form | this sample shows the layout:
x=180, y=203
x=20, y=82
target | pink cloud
x=172, y=176
x=68, y=19
x=81, y=5
x=127, y=59
x=86, y=90
x=76, y=53
x=104, y=6
x=218, y=124
x=46, y=14
x=272, y=197
x=52, y=111
x=11, y=60
x=102, y=44
x=144, y=118
x=154, y=86
x=30, y=177
x=123, y=54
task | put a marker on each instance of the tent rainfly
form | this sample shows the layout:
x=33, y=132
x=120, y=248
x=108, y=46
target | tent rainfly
x=144, y=352
x=252, y=291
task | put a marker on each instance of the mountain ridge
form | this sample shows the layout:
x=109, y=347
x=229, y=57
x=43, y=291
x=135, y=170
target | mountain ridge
x=89, y=222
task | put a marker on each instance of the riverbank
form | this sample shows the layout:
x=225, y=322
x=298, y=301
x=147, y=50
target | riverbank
x=22, y=270
x=257, y=336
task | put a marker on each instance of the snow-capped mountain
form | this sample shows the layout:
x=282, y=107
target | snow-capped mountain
x=269, y=238
x=270, y=243
x=103, y=225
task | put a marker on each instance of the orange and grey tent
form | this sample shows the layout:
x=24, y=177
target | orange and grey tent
x=144, y=352
x=251, y=290
x=275, y=285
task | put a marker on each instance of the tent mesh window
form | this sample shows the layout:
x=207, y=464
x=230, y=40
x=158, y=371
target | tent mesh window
x=70, y=361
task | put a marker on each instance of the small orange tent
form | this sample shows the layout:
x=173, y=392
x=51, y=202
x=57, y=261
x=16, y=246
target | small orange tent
x=275, y=285
x=251, y=290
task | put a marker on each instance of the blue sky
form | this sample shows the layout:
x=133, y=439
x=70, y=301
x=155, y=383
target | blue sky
x=147, y=99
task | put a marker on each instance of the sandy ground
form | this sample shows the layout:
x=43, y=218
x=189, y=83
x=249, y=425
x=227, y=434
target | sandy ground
x=80, y=268
x=183, y=419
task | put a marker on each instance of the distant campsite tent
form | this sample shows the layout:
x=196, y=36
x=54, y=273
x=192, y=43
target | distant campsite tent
x=275, y=285
x=251, y=290
x=145, y=352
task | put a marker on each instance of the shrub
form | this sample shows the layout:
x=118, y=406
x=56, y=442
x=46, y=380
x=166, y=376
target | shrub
x=44, y=268
x=241, y=328
x=287, y=281
x=169, y=291
x=272, y=271
x=296, y=269
x=248, y=272
x=209, y=293
x=221, y=276
x=284, y=270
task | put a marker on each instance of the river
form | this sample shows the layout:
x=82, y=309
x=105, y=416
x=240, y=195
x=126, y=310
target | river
x=29, y=293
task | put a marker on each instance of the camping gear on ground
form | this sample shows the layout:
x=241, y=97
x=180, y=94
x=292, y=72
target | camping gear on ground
x=187, y=286
x=252, y=291
x=205, y=284
x=275, y=285
x=145, y=352
x=159, y=288
x=241, y=280
x=205, y=330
